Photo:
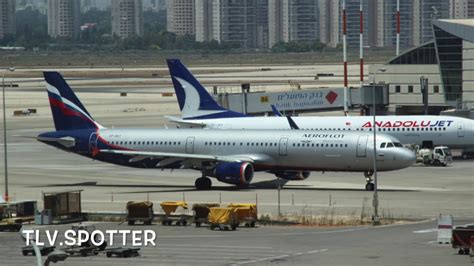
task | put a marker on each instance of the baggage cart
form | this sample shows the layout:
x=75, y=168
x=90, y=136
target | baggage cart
x=26, y=250
x=201, y=213
x=122, y=252
x=461, y=239
x=140, y=211
x=81, y=251
x=223, y=218
x=246, y=212
x=169, y=208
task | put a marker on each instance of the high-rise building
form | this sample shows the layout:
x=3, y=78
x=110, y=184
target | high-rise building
x=242, y=22
x=95, y=4
x=180, y=16
x=203, y=20
x=293, y=20
x=461, y=9
x=425, y=11
x=386, y=24
x=63, y=18
x=7, y=18
x=127, y=18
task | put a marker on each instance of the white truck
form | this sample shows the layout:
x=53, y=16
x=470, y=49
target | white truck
x=440, y=155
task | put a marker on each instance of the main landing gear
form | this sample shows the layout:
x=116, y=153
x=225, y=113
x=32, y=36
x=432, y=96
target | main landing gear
x=203, y=183
x=368, y=178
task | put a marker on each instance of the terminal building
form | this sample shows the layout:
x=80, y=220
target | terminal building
x=447, y=62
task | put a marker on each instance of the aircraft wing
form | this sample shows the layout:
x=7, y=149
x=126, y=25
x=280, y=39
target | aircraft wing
x=186, y=158
x=185, y=123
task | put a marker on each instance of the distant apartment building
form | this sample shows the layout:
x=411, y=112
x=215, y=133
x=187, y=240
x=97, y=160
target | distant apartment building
x=64, y=18
x=386, y=23
x=424, y=12
x=203, y=20
x=7, y=18
x=293, y=20
x=95, y=4
x=462, y=9
x=180, y=16
x=127, y=18
x=241, y=22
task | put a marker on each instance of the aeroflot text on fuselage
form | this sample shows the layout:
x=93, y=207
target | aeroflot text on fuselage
x=412, y=123
x=315, y=135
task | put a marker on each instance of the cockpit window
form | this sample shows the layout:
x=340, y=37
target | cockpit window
x=389, y=145
x=382, y=145
x=398, y=144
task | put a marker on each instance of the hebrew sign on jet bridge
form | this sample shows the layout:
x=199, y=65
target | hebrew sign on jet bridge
x=259, y=102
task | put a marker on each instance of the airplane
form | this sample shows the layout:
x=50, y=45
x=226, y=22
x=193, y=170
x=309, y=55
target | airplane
x=230, y=156
x=198, y=109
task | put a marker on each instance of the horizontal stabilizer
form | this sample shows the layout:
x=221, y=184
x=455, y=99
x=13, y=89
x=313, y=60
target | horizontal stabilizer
x=67, y=142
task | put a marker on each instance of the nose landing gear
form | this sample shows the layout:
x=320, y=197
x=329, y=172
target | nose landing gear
x=368, y=178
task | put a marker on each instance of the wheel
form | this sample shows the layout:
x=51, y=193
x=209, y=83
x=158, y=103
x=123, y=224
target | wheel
x=163, y=222
x=467, y=251
x=461, y=251
x=109, y=254
x=370, y=187
x=233, y=227
x=169, y=222
x=25, y=253
x=198, y=224
x=184, y=222
x=252, y=224
x=131, y=222
x=211, y=227
x=203, y=183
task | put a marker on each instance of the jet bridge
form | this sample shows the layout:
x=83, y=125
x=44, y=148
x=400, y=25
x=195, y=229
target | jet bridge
x=302, y=100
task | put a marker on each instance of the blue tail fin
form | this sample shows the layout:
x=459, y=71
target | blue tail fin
x=68, y=112
x=194, y=101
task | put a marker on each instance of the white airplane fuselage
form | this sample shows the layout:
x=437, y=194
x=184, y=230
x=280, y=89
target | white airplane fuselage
x=453, y=132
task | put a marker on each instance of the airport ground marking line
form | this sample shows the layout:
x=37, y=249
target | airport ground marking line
x=216, y=249
x=317, y=251
x=260, y=260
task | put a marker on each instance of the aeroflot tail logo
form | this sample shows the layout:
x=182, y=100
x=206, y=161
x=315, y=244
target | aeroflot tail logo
x=409, y=123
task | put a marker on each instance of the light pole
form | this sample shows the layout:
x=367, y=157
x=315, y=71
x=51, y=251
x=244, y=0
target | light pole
x=11, y=69
x=375, y=201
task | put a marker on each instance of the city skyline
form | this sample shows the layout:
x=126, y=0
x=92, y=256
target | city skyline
x=254, y=24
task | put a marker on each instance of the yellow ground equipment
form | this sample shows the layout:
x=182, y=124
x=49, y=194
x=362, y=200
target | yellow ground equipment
x=170, y=207
x=201, y=212
x=246, y=212
x=223, y=218
x=140, y=211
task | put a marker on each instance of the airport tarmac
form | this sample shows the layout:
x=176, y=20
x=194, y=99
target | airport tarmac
x=415, y=192
x=399, y=244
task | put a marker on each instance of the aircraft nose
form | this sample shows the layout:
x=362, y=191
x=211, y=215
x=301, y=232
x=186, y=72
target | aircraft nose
x=408, y=157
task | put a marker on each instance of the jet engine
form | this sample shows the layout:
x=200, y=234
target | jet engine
x=293, y=175
x=234, y=173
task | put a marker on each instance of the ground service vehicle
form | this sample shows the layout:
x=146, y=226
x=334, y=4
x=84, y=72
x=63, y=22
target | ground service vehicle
x=440, y=155
x=461, y=239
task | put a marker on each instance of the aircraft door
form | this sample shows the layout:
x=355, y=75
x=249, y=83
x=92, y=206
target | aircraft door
x=362, y=146
x=283, y=148
x=190, y=145
x=93, y=143
x=460, y=130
